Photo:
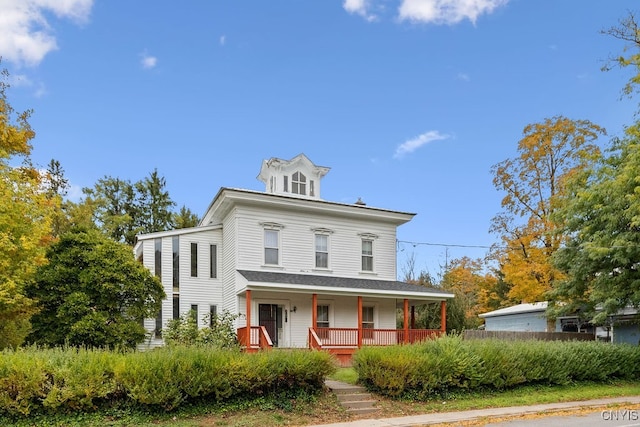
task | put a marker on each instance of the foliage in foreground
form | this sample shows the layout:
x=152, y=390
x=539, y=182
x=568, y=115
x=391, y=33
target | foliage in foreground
x=451, y=363
x=221, y=332
x=92, y=293
x=61, y=381
x=602, y=216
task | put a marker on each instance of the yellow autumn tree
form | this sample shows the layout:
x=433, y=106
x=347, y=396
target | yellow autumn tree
x=466, y=278
x=25, y=221
x=533, y=183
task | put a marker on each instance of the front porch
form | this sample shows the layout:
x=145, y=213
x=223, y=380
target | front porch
x=340, y=341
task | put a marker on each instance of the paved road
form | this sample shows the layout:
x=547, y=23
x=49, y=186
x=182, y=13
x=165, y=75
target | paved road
x=606, y=418
x=628, y=417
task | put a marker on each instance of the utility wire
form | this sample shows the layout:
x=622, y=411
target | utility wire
x=452, y=245
x=446, y=245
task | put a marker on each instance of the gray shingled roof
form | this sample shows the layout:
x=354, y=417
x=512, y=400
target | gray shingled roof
x=338, y=282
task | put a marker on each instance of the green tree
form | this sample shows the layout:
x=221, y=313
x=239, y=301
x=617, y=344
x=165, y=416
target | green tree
x=628, y=31
x=185, y=218
x=533, y=182
x=122, y=209
x=92, y=293
x=114, y=208
x=154, y=204
x=25, y=221
x=601, y=214
x=221, y=332
x=428, y=316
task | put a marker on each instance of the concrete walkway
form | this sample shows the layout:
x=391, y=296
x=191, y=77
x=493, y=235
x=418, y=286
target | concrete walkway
x=457, y=417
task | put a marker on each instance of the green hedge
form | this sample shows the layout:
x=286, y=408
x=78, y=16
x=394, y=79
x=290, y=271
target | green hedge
x=451, y=363
x=67, y=380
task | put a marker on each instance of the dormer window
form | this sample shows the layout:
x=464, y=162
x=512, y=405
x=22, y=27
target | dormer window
x=299, y=183
x=298, y=176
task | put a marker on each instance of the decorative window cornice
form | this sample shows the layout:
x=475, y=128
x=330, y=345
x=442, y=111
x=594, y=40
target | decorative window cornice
x=321, y=230
x=368, y=236
x=271, y=225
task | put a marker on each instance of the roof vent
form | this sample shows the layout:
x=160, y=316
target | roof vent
x=360, y=202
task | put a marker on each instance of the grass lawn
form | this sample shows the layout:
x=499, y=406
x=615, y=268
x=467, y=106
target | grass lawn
x=322, y=409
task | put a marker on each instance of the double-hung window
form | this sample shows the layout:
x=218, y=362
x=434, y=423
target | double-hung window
x=272, y=247
x=322, y=251
x=322, y=320
x=367, y=321
x=367, y=255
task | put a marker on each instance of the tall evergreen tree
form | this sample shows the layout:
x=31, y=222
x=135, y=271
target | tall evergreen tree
x=185, y=218
x=154, y=204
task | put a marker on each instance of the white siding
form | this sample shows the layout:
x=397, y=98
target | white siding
x=240, y=242
x=201, y=290
x=297, y=249
x=228, y=267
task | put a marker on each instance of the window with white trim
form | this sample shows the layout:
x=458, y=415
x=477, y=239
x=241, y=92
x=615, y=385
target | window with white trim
x=322, y=321
x=299, y=183
x=175, y=247
x=272, y=247
x=367, y=255
x=213, y=261
x=194, y=260
x=157, y=244
x=322, y=250
x=322, y=316
x=368, y=322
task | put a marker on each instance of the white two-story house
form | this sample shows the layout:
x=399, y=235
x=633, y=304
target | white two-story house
x=301, y=271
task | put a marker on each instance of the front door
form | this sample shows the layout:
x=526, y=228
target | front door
x=270, y=316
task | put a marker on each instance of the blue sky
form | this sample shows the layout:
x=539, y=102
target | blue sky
x=410, y=102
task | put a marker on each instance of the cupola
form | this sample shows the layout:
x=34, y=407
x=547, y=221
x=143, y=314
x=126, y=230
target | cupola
x=297, y=177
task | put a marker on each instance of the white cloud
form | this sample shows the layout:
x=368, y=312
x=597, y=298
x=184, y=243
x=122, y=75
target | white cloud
x=22, y=80
x=147, y=61
x=223, y=40
x=446, y=11
x=359, y=7
x=463, y=76
x=413, y=144
x=27, y=36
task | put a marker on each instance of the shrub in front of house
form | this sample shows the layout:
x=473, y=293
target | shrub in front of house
x=451, y=363
x=70, y=380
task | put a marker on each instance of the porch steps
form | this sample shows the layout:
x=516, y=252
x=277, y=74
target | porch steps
x=355, y=399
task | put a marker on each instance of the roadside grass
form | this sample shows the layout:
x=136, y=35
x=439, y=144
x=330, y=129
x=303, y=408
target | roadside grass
x=323, y=408
x=520, y=396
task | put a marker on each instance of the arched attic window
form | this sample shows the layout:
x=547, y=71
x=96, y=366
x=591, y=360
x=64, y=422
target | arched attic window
x=299, y=183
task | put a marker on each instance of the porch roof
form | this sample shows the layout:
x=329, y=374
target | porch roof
x=342, y=285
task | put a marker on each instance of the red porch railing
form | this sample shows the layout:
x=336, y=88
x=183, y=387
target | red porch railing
x=348, y=337
x=259, y=338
